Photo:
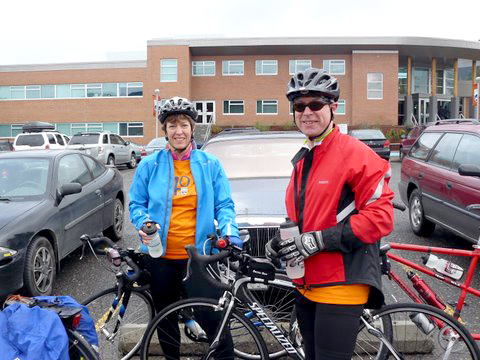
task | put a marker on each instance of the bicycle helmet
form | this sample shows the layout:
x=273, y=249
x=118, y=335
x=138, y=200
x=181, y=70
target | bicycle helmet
x=177, y=105
x=313, y=82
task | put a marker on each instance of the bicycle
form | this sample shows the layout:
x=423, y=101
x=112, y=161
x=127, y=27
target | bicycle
x=78, y=347
x=422, y=292
x=122, y=312
x=191, y=331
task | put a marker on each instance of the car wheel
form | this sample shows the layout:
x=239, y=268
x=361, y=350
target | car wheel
x=111, y=160
x=133, y=161
x=39, y=273
x=115, y=232
x=419, y=224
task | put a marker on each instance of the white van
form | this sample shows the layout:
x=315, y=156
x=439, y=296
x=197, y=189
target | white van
x=40, y=135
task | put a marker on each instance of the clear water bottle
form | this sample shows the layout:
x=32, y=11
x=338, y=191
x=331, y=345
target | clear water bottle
x=422, y=322
x=155, y=248
x=289, y=229
x=443, y=266
x=195, y=329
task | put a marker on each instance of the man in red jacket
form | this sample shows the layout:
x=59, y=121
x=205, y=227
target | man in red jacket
x=339, y=196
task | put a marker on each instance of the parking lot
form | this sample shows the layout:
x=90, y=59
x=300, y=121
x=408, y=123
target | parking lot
x=82, y=278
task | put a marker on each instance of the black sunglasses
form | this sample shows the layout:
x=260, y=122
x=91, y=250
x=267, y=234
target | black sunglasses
x=314, y=106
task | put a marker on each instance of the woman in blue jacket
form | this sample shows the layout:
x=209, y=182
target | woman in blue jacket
x=183, y=190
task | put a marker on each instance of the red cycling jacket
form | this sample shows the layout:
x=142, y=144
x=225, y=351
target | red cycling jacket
x=342, y=189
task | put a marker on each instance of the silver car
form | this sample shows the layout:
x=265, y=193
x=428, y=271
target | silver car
x=154, y=145
x=258, y=168
x=107, y=148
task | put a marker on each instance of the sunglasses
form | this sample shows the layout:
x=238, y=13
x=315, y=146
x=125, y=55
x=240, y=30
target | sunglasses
x=314, y=106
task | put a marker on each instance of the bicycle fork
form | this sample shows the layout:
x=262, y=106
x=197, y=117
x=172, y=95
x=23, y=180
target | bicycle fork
x=378, y=334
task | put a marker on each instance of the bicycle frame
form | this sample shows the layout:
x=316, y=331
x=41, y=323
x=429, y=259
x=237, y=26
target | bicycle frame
x=464, y=286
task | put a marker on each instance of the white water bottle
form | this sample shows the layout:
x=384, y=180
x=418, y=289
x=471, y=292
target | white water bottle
x=289, y=229
x=443, y=266
x=155, y=248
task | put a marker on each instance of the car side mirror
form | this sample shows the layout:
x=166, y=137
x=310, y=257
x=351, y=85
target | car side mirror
x=68, y=189
x=127, y=143
x=469, y=170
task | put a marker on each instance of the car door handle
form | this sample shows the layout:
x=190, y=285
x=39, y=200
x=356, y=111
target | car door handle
x=473, y=207
x=98, y=193
x=420, y=175
x=449, y=185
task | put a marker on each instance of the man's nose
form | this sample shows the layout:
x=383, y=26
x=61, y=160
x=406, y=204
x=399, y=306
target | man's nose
x=307, y=110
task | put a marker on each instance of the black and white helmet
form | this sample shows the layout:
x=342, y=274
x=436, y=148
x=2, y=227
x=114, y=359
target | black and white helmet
x=177, y=105
x=313, y=82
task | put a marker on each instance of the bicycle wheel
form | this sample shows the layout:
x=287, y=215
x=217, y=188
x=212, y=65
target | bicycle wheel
x=422, y=332
x=79, y=348
x=119, y=336
x=186, y=328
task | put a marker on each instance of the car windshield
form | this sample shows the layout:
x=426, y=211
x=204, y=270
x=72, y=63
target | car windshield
x=157, y=142
x=23, y=177
x=31, y=140
x=256, y=158
x=367, y=134
x=84, y=139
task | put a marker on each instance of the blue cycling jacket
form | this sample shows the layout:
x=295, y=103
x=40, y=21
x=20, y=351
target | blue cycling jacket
x=32, y=334
x=152, y=190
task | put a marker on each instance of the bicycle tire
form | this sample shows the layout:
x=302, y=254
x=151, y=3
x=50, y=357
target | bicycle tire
x=425, y=332
x=244, y=334
x=138, y=312
x=79, y=348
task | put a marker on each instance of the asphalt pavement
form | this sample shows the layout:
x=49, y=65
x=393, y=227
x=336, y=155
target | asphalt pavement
x=83, y=278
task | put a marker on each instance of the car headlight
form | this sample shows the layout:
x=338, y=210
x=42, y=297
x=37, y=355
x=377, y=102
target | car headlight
x=6, y=252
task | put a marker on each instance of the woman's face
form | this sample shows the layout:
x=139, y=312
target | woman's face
x=179, y=133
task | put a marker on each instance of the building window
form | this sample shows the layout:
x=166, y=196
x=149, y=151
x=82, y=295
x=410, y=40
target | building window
x=448, y=75
x=232, y=67
x=168, y=70
x=295, y=66
x=48, y=92
x=233, y=107
x=33, y=91
x=421, y=81
x=17, y=92
x=16, y=129
x=341, y=109
x=334, y=67
x=94, y=90
x=267, y=107
x=266, y=67
x=131, y=129
x=402, y=80
x=375, y=86
x=78, y=90
x=203, y=68
x=110, y=89
x=85, y=127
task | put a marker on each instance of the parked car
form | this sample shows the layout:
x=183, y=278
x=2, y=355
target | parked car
x=6, y=145
x=375, y=139
x=139, y=151
x=431, y=183
x=48, y=199
x=107, y=148
x=154, y=145
x=410, y=138
x=40, y=135
x=258, y=167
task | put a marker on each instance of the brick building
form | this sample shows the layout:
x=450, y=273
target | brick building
x=242, y=82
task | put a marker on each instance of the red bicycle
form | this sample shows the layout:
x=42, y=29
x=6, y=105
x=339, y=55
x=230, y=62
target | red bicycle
x=421, y=291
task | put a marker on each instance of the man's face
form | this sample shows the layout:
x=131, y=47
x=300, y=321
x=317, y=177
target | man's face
x=312, y=122
x=179, y=133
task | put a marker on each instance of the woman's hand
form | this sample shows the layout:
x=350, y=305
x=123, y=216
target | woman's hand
x=146, y=238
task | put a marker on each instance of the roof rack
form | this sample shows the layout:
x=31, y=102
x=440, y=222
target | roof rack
x=456, y=121
x=38, y=126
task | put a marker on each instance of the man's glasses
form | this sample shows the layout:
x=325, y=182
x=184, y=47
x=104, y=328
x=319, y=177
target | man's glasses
x=314, y=106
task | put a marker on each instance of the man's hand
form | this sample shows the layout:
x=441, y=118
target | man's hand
x=271, y=250
x=300, y=247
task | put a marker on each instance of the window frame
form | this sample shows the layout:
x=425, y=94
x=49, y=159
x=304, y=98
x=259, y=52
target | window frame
x=228, y=62
x=168, y=67
x=203, y=66
x=344, y=107
x=263, y=105
x=229, y=107
x=295, y=62
x=369, y=82
x=131, y=125
x=338, y=61
x=262, y=64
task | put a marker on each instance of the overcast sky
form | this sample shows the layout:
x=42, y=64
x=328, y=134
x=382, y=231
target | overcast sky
x=56, y=31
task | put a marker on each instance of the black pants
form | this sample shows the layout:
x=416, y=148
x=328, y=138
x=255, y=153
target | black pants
x=166, y=287
x=329, y=331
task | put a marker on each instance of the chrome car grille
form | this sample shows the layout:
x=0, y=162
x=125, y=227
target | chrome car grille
x=259, y=236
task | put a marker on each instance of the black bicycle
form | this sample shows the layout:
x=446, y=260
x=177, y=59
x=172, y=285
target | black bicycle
x=121, y=313
x=398, y=331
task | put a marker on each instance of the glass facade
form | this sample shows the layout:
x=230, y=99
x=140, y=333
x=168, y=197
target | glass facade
x=68, y=91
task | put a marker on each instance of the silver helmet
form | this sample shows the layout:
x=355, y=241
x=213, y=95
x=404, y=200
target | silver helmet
x=313, y=82
x=177, y=105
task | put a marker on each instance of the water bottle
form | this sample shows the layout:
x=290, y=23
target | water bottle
x=443, y=266
x=155, y=248
x=422, y=322
x=289, y=229
x=196, y=329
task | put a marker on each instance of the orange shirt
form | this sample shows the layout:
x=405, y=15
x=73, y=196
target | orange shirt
x=354, y=294
x=184, y=212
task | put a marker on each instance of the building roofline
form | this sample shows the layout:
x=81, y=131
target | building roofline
x=76, y=66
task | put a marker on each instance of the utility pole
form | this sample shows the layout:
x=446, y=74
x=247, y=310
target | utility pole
x=157, y=103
